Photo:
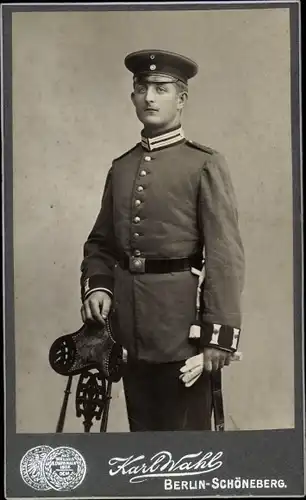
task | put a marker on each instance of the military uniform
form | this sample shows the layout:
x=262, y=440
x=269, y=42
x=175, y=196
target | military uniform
x=164, y=201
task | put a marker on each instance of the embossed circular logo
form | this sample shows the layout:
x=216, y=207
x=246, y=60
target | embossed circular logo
x=64, y=468
x=31, y=467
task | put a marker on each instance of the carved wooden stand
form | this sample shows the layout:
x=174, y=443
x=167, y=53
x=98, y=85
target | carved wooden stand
x=92, y=400
x=92, y=354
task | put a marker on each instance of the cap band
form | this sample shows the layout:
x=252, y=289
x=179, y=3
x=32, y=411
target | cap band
x=154, y=78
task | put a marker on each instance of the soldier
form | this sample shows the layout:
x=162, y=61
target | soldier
x=166, y=201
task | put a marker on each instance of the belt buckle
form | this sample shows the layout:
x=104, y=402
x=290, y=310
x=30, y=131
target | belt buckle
x=137, y=264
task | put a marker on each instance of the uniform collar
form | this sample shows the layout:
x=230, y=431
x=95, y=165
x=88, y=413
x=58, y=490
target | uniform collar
x=162, y=140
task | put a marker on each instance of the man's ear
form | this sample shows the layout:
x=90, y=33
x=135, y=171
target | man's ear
x=182, y=99
x=133, y=98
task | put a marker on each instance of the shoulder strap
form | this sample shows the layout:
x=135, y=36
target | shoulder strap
x=127, y=152
x=196, y=145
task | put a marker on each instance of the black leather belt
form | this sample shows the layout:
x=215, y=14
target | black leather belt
x=159, y=266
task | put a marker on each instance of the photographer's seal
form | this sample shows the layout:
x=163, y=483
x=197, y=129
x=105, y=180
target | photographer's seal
x=32, y=470
x=64, y=468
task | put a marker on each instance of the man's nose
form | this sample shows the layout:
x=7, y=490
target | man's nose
x=150, y=95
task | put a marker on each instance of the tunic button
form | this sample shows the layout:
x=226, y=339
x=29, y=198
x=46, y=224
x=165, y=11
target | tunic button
x=137, y=263
x=147, y=158
x=136, y=235
x=137, y=203
x=143, y=173
x=137, y=253
x=136, y=219
x=140, y=188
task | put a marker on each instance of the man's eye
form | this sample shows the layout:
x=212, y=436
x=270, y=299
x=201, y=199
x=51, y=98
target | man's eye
x=140, y=90
x=160, y=88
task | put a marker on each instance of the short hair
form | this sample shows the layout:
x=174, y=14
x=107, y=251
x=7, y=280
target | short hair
x=181, y=86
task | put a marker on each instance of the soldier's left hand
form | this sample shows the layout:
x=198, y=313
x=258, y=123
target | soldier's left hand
x=215, y=358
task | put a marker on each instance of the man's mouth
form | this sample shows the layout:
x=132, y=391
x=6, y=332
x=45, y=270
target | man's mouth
x=151, y=109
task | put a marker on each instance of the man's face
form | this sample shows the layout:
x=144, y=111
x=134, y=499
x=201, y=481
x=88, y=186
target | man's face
x=158, y=104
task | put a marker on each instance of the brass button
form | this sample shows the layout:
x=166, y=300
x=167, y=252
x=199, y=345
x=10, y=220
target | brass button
x=136, y=219
x=137, y=253
x=136, y=235
x=140, y=188
x=137, y=203
x=143, y=173
x=137, y=263
x=147, y=158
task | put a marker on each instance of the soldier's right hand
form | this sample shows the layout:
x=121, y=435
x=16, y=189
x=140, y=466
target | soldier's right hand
x=96, y=307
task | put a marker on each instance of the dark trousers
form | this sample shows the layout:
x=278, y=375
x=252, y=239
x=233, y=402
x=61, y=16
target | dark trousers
x=157, y=400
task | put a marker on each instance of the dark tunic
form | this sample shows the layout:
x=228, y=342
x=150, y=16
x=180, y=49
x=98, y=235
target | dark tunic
x=167, y=203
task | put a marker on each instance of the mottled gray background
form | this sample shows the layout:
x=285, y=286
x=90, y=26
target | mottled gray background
x=72, y=115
